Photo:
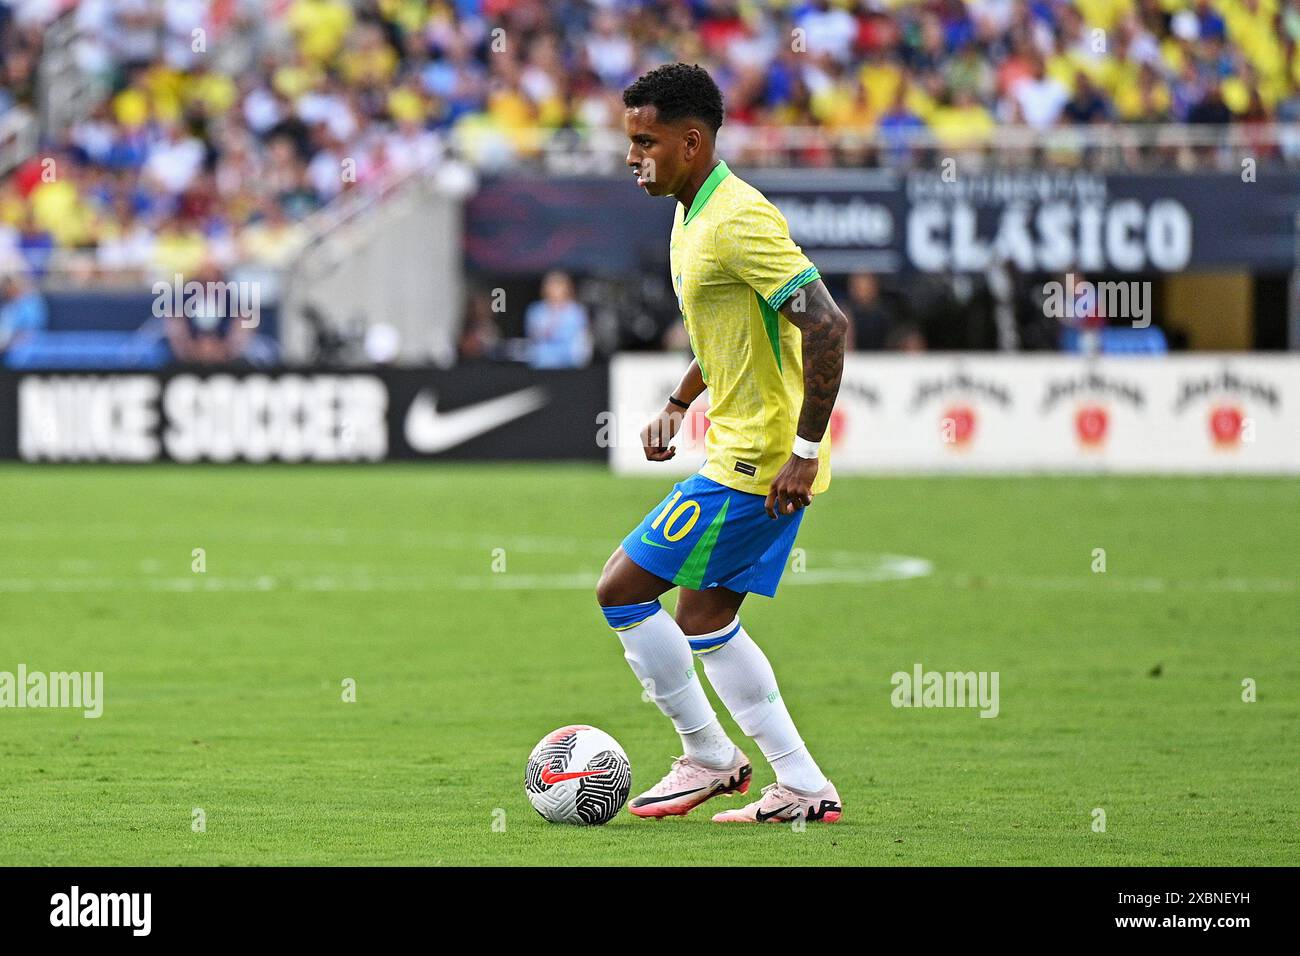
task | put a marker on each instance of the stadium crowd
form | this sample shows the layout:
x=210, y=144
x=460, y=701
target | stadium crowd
x=224, y=124
x=227, y=122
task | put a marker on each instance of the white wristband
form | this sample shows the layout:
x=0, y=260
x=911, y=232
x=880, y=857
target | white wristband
x=805, y=448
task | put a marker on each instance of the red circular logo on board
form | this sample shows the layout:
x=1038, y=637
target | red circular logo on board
x=1090, y=423
x=958, y=425
x=1225, y=424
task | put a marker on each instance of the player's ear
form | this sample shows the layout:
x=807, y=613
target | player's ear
x=691, y=142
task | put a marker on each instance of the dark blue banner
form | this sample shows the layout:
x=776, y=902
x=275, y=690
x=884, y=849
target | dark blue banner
x=946, y=221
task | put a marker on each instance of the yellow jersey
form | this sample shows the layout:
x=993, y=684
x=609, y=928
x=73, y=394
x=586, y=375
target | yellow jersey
x=733, y=267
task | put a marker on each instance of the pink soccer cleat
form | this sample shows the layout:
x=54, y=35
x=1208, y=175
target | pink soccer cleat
x=688, y=784
x=782, y=805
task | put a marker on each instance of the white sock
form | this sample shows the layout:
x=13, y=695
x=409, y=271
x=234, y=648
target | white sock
x=661, y=658
x=740, y=673
x=799, y=771
x=710, y=746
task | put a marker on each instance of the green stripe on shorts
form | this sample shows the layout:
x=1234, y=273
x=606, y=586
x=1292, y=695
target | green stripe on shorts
x=691, y=573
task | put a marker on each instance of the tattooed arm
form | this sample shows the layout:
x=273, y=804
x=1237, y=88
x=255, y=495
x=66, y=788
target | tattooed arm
x=824, y=330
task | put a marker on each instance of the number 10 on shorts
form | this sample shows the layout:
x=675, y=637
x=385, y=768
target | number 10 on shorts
x=676, y=516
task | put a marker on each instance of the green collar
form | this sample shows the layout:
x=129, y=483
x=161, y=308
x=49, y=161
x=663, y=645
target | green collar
x=719, y=173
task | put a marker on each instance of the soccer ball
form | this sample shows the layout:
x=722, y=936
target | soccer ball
x=578, y=774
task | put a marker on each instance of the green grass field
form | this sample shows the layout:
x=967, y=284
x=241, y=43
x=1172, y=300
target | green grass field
x=1119, y=690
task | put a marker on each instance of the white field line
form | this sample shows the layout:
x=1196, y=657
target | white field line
x=872, y=569
x=1087, y=581
x=314, y=575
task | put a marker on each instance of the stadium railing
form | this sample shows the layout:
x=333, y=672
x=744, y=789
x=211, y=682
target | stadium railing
x=67, y=93
x=1111, y=147
x=20, y=131
x=392, y=251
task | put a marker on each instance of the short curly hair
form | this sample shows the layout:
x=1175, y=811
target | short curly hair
x=678, y=91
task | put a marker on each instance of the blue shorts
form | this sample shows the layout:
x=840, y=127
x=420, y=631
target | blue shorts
x=706, y=535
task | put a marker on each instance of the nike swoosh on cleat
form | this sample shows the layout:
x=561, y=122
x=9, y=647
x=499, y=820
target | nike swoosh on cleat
x=549, y=776
x=644, y=801
x=645, y=540
x=761, y=817
x=825, y=807
x=745, y=773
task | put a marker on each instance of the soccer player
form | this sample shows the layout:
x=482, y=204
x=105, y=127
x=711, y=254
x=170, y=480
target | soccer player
x=769, y=346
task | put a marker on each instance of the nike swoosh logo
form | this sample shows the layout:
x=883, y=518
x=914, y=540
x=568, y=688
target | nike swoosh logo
x=642, y=801
x=549, y=776
x=762, y=817
x=645, y=540
x=429, y=431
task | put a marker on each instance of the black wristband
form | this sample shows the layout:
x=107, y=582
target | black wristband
x=678, y=402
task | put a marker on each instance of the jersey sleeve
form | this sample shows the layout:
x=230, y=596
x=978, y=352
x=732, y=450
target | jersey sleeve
x=754, y=245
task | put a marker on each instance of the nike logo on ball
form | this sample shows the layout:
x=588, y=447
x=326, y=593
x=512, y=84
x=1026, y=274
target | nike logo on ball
x=549, y=776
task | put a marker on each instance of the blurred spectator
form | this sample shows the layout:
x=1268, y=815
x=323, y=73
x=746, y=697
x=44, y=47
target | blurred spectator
x=906, y=338
x=1087, y=313
x=900, y=123
x=1211, y=109
x=829, y=30
x=1086, y=105
x=21, y=26
x=480, y=336
x=1040, y=97
x=22, y=310
x=557, y=326
x=869, y=324
x=207, y=332
x=36, y=245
